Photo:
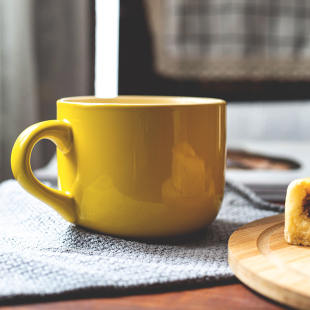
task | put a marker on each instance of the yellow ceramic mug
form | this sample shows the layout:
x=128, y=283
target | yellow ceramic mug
x=132, y=166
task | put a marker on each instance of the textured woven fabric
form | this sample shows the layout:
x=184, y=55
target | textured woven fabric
x=43, y=256
x=220, y=40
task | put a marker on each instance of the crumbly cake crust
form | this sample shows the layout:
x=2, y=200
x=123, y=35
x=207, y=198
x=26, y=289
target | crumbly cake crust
x=297, y=212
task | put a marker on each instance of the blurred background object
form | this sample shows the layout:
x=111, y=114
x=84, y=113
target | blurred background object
x=231, y=40
x=244, y=50
x=253, y=54
x=47, y=52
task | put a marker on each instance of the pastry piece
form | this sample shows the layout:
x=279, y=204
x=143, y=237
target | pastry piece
x=297, y=212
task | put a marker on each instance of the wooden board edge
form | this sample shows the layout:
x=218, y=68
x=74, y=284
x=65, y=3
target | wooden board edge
x=257, y=283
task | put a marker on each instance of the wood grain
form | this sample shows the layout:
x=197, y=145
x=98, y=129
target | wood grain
x=260, y=258
x=232, y=297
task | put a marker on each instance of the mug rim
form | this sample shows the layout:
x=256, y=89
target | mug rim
x=135, y=100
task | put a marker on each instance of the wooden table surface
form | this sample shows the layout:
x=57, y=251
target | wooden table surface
x=231, y=296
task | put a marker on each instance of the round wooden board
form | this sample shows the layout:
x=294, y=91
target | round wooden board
x=260, y=258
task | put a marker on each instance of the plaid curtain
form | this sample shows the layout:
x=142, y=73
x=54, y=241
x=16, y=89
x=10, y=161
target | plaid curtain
x=231, y=40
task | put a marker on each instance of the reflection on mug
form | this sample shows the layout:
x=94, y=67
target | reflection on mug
x=188, y=171
x=103, y=193
x=190, y=188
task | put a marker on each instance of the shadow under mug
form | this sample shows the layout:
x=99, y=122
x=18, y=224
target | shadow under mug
x=132, y=166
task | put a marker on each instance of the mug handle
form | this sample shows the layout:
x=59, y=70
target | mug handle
x=60, y=133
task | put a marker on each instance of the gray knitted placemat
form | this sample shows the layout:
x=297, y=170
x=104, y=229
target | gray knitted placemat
x=42, y=256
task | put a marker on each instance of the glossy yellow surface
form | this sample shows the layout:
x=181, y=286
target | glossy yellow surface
x=135, y=166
